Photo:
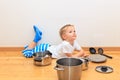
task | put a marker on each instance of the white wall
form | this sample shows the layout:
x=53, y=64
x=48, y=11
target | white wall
x=96, y=21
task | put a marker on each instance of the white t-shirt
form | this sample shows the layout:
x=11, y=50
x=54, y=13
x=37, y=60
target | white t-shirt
x=65, y=47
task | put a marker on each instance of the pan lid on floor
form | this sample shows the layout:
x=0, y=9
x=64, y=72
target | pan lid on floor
x=104, y=69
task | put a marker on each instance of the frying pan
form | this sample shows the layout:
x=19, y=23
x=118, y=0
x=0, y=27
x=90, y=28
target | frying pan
x=100, y=51
x=97, y=57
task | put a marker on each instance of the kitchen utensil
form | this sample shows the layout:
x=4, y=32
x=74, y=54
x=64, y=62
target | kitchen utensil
x=104, y=69
x=94, y=57
x=92, y=50
x=100, y=51
x=69, y=68
x=42, y=58
x=97, y=58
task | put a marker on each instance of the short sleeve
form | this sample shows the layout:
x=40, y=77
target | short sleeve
x=77, y=46
x=67, y=48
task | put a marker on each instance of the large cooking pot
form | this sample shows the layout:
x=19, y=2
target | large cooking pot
x=42, y=58
x=69, y=68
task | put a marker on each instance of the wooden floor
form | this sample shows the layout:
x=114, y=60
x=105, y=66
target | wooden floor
x=14, y=66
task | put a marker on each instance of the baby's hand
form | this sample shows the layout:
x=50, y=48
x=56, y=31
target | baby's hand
x=85, y=55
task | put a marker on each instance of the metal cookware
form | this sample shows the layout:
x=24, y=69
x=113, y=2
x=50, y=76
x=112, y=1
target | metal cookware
x=104, y=69
x=100, y=51
x=42, y=58
x=69, y=68
x=98, y=58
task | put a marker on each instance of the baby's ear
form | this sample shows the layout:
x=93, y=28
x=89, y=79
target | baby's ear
x=64, y=37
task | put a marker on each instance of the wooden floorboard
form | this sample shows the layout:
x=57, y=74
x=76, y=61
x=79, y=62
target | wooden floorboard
x=85, y=48
x=14, y=66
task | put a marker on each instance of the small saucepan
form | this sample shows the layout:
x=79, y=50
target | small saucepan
x=42, y=58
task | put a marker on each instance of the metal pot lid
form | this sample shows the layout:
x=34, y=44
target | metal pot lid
x=38, y=59
x=104, y=69
x=97, y=58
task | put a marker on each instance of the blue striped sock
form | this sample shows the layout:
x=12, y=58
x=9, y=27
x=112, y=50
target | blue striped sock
x=38, y=34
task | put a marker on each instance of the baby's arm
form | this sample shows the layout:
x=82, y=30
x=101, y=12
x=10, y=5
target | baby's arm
x=80, y=53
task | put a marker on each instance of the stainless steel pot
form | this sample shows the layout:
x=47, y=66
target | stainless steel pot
x=69, y=68
x=42, y=58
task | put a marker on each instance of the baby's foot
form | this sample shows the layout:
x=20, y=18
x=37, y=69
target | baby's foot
x=37, y=29
x=38, y=34
x=28, y=53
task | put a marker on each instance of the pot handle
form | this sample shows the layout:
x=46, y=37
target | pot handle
x=85, y=60
x=85, y=63
x=57, y=68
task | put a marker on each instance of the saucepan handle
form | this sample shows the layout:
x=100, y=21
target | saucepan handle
x=58, y=68
x=107, y=56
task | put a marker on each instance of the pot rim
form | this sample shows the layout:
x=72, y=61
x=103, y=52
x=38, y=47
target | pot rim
x=81, y=62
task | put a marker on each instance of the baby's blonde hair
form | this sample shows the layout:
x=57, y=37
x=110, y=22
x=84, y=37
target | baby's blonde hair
x=63, y=29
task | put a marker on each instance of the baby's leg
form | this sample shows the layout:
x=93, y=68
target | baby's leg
x=38, y=48
x=28, y=50
x=41, y=47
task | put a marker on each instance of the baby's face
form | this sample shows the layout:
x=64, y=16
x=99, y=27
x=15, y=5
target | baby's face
x=70, y=34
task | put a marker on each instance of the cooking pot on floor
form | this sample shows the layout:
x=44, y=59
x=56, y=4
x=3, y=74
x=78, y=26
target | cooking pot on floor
x=42, y=58
x=69, y=68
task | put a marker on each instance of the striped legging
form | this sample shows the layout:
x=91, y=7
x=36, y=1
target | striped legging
x=38, y=48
